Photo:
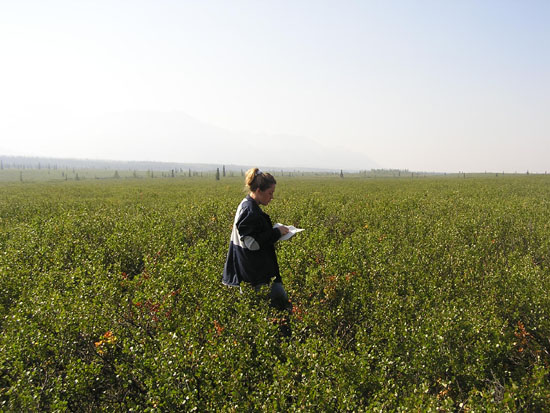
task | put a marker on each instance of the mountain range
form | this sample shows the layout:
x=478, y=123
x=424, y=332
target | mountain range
x=175, y=137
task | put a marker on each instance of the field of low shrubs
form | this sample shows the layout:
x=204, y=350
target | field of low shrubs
x=426, y=294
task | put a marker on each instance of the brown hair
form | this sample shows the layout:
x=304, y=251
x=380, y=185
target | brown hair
x=254, y=179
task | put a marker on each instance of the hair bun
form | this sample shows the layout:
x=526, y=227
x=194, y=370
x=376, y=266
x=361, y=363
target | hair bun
x=255, y=178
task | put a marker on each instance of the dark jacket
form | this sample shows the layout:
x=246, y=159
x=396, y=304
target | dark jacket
x=251, y=256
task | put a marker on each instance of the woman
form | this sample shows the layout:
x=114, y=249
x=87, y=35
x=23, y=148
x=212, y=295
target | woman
x=251, y=257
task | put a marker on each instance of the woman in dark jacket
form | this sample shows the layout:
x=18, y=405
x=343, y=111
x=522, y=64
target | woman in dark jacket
x=251, y=257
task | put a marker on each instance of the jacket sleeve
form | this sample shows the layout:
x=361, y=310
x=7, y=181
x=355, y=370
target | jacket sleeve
x=253, y=225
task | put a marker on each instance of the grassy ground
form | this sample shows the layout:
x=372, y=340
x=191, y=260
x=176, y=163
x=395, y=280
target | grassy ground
x=427, y=293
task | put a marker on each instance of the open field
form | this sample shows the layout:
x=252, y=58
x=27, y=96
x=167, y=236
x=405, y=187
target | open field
x=430, y=293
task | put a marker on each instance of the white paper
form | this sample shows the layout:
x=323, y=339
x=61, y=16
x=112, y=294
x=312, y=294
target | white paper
x=291, y=231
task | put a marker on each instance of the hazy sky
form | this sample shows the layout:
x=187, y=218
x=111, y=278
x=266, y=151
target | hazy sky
x=432, y=85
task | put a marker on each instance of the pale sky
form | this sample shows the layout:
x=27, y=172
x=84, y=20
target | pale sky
x=424, y=85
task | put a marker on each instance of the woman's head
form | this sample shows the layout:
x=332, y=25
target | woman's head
x=260, y=184
x=256, y=179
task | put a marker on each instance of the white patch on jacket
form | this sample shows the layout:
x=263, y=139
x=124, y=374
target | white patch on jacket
x=246, y=242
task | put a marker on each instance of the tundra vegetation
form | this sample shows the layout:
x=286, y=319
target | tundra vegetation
x=428, y=293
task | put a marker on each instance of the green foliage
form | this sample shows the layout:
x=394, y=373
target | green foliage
x=429, y=294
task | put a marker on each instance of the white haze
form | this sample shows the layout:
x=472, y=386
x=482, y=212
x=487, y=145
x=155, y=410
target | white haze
x=429, y=85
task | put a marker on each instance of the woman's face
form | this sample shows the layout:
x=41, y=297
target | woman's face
x=264, y=197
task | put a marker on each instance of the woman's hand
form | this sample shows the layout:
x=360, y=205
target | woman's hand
x=283, y=229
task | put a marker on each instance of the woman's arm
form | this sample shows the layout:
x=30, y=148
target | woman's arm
x=253, y=225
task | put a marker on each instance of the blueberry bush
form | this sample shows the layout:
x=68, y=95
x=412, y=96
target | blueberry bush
x=428, y=294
